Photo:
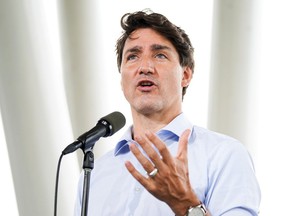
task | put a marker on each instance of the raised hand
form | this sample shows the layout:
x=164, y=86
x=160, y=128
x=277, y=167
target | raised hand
x=168, y=177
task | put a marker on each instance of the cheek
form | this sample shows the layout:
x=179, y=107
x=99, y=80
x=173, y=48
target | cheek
x=125, y=84
x=121, y=83
x=175, y=80
x=174, y=84
x=127, y=77
x=123, y=77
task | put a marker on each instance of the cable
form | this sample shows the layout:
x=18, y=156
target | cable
x=56, y=184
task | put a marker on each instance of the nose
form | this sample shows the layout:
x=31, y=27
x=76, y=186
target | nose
x=146, y=67
x=145, y=70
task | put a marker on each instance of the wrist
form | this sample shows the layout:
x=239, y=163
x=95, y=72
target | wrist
x=194, y=210
x=181, y=206
x=199, y=210
x=184, y=209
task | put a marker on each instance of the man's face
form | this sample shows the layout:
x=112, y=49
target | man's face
x=152, y=77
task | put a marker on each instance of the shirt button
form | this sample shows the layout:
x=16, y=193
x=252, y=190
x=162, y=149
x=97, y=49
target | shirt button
x=137, y=189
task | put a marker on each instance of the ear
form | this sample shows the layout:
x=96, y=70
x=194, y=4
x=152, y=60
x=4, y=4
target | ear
x=187, y=76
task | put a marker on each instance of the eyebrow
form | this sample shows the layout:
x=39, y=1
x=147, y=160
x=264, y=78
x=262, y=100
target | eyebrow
x=153, y=47
x=134, y=49
x=159, y=47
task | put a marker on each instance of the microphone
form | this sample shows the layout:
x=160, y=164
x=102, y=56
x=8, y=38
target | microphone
x=106, y=126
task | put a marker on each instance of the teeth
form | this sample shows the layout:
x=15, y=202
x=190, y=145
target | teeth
x=146, y=83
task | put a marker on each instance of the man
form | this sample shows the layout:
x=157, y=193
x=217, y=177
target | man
x=163, y=165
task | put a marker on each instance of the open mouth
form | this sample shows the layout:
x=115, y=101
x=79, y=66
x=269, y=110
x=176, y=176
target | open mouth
x=145, y=85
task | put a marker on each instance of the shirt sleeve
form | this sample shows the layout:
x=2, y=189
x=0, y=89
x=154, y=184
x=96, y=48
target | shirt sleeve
x=233, y=189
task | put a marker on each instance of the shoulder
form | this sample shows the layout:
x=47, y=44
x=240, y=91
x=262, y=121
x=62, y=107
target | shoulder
x=218, y=145
x=207, y=134
x=213, y=138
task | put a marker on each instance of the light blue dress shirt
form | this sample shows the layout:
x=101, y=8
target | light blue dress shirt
x=220, y=168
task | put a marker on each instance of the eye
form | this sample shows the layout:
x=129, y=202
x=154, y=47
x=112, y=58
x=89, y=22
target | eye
x=131, y=57
x=160, y=56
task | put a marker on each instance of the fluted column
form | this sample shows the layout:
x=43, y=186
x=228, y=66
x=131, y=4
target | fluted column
x=233, y=83
x=89, y=80
x=34, y=109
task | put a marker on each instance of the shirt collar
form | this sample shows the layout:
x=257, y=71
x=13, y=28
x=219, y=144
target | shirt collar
x=175, y=127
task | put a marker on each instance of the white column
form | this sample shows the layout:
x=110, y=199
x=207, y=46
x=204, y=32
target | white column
x=233, y=84
x=88, y=79
x=33, y=107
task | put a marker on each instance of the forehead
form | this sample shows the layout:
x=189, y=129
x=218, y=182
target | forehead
x=146, y=37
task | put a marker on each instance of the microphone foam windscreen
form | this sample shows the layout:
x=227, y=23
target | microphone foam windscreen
x=117, y=121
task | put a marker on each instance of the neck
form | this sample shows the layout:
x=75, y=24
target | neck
x=152, y=122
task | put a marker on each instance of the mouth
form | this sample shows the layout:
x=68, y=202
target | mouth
x=145, y=85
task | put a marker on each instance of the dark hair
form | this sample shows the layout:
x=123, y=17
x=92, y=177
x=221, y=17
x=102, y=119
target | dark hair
x=148, y=19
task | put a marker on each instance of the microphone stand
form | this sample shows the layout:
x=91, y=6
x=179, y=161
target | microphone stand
x=88, y=165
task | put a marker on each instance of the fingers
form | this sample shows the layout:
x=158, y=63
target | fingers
x=183, y=145
x=144, y=161
x=163, y=150
x=156, y=150
x=136, y=174
x=165, y=155
x=156, y=154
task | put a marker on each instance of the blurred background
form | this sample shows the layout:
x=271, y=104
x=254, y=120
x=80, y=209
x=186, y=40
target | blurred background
x=58, y=77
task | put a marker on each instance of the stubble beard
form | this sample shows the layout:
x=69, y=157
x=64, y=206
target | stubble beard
x=147, y=106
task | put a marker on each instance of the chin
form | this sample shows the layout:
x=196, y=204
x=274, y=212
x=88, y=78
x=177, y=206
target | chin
x=148, y=109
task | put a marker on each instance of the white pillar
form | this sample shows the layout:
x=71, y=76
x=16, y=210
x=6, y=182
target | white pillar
x=33, y=108
x=87, y=83
x=233, y=84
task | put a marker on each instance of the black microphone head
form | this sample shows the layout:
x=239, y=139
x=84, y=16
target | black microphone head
x=116, y=120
